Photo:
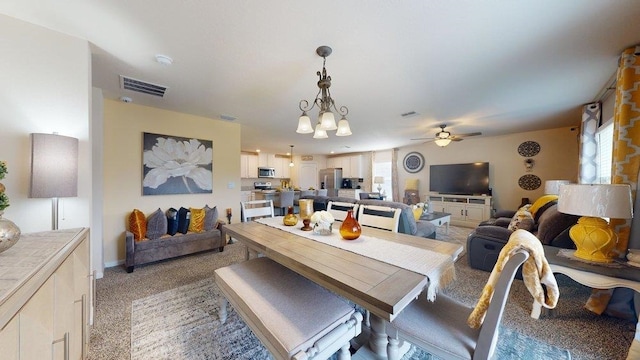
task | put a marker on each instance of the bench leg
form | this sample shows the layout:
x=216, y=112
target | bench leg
x=223, y=309
x=343, y=353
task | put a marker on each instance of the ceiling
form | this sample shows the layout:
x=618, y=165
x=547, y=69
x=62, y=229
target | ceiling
x=494, y=66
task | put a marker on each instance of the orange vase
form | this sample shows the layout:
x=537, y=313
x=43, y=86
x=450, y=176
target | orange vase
x=350, y=229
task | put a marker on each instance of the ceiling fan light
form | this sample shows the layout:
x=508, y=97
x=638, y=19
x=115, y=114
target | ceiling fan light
x=327, y=121
x=442, y=142
x=443, y=134
x=343, y=127
x=304, y=124
x=320, y=133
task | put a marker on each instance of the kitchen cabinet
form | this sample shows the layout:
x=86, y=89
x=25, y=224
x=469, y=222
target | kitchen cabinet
x=266, y=160
x=351, y=165
x=465, y=210
x=248, y=166
x=44, y=307
x=350, y=193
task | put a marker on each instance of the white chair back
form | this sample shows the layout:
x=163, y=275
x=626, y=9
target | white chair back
x=256, y=209
x=380, y=217
x=339, y=209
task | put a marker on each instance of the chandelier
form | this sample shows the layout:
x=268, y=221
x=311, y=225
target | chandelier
x=326, y=118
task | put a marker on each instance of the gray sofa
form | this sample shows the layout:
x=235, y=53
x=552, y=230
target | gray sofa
x=407, y=225
x=170, y=246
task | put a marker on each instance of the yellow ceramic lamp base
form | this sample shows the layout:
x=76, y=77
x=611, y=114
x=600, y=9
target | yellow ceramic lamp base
x=594, y=239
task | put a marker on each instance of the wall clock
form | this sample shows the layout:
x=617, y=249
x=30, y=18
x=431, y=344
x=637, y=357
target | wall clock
x=529, y=148
x=529, y=182
x=413, y=162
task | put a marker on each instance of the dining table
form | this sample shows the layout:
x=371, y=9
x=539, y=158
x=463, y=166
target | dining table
x=381, y=271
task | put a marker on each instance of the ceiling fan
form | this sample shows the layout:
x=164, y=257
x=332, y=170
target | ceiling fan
x=443, y=138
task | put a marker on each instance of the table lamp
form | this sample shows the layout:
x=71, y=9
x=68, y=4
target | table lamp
x=379, y=180
x=592, y=235
x=552, y=187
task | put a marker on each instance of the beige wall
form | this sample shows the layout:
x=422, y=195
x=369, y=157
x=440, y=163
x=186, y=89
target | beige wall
x=46, y=85
x=123, y=128
x=558, y=159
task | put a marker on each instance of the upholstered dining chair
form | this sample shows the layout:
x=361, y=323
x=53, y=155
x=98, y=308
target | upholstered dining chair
x=284, y=201
x=440, y=327
x=381, y=217
x=322, y=192
x=256, y=209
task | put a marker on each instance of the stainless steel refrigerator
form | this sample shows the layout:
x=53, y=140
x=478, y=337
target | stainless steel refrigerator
x=332, y=179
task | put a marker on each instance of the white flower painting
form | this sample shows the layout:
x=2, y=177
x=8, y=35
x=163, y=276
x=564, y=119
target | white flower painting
x=176, y=165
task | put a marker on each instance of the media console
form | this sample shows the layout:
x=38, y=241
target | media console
x=465, y=210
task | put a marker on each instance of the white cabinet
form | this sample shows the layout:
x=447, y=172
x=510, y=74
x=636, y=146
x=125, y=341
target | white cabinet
x=266, y=160
x=350, y=193
x=46, y=314
x=465, y=210
x=355, y=166
x=351, y=165
x=248, y=166
x=281, y=164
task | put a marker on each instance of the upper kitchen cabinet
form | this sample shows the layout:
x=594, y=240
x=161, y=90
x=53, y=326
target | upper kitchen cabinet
x=248, y=166
x=351, y=165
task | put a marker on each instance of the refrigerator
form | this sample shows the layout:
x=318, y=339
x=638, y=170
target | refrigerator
x=332, y=180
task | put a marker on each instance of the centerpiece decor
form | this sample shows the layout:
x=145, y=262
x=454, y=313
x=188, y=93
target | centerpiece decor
x=350, y=228
x=290, y=219
x=322, y=222
x=306, y=210
x=9, y=232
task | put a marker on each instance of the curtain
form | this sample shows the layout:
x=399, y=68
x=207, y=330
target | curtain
x=591, y=115
x=394, y=176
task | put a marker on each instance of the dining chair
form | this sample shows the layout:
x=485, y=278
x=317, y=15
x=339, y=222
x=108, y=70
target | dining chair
x=381, y=217
x=339, y=209
x=322, y=192
x=283, y=201
x=256, y=209
x=440, y=327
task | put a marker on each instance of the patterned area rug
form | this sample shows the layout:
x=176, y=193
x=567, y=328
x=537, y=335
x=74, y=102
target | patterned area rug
x=457, y=234
x=182, y=324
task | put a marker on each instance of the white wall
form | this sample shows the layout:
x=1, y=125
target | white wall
x=123, y=128
x=558, y=159
x=46, y=83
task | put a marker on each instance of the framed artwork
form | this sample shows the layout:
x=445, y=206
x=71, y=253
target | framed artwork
x=176, y=165
x=413, y=162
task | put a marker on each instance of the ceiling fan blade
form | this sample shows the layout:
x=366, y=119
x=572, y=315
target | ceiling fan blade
x=455, y=138
x=423, y=139
x=469, y=134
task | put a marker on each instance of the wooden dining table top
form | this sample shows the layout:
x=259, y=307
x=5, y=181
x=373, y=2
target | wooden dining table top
x=379, y=287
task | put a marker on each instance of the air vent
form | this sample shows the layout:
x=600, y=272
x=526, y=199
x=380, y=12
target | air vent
x=410, y=113
x=142, y=86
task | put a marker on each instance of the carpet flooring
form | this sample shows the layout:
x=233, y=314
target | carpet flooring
x=585, y=335
x=182, y=324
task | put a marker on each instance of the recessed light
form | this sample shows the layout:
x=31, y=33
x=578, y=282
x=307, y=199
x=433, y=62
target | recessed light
x=257, y=150
x=164, y=59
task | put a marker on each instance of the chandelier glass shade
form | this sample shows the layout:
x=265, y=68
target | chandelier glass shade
x=324, y=102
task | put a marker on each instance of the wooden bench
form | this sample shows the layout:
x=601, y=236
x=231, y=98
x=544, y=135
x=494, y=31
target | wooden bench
x=293, y=317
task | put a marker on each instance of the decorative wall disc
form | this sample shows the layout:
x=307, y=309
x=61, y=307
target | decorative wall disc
x=529, y=148
x=529, y=182
x=413, y=162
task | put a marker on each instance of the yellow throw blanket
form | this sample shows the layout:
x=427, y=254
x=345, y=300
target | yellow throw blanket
x=535, y=272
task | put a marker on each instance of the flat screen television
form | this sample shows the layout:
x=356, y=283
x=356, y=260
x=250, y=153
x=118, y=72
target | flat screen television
x=460, y=179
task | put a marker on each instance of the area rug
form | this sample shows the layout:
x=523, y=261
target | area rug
x=183, y=324
x=457, y=235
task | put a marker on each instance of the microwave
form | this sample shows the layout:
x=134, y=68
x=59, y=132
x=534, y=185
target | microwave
x=266, y=172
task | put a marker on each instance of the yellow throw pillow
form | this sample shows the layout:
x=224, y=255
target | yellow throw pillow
x=138, y=225
x=411, y=184
x=522, y=219
x=541, y=202
x=197, y=220
x=417, y=212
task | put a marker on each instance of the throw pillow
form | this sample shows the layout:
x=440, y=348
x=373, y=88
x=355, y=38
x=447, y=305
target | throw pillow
x=417, y=212
x=197, y=220
x=138, y=225
x=172, y=221
x=210, y=218
x=156, y=225
x=184, y=218
x=522, y=219
x=541, y=202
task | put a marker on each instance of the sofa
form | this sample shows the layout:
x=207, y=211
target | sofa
x=549, y=225
x=153, y=239
x=407, y=224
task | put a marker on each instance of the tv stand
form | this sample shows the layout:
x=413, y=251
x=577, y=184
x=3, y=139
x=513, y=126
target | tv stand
x=465, y=210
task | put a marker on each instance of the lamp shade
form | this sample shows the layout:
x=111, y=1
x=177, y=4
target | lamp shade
x=304, y=124
x=442, y=142
x=343, y=128
x=552, y=187
x=597, y=200
x=54, y=166
x=378, y=180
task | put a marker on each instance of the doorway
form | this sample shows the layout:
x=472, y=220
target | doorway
x=308, y=176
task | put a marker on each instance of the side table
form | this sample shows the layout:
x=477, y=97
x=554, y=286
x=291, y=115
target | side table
x=437, y=219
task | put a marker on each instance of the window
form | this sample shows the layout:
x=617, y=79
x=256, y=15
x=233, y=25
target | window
x=604, y=138
x=382, y=167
